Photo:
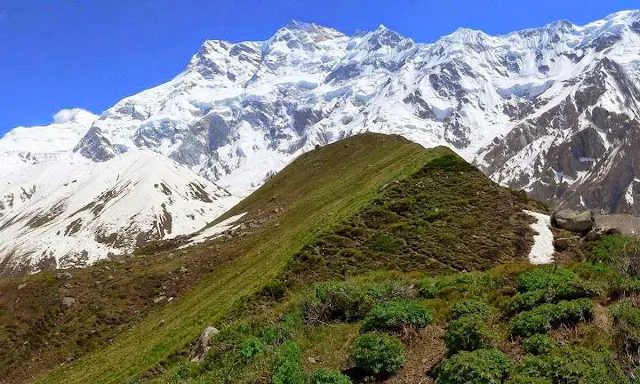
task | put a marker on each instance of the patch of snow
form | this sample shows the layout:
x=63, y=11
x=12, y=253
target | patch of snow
x=542, y=249
x=213, y=231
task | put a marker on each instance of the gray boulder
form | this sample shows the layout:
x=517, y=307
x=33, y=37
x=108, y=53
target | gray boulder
x=202, y=347
x=574, y=221
x=563, y=243
x=68, y=301
x=64, y=276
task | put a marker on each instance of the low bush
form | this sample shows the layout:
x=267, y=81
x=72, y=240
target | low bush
x=288, y=365
x=395, y=315
x=546, y=316
x=349, y=301
x=322, y=376
x=467, y=334
x=471, y=307
x=573, y=365
x=378, y=353
x=521, y=379
x=483, y=366
x=252, y=346
x=564, y=291
x=427, y=288
x=543, y=278
x=627, y=330
x=538, y=344
x=621, y=252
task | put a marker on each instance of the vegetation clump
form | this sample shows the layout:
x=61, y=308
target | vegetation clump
x=288, y=365
x=619, y=251
x=467, y=334
x=573, y=365
x=471, y=307
x=348, y=302
x=378, y=353
x=395, y=315
x=541, y=319
x=538, y=344
x=483, y=366
x=322, y=376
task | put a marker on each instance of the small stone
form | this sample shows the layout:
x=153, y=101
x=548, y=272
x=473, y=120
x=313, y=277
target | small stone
x=159, y=299
x=68, y=286
x=68, y=301
x=63, y=275
x=22, y=286
x=183, y=269
x=276, y=224
x=110, y=277
x=312, y=360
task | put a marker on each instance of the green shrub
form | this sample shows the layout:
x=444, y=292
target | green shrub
x=387, y=243
x=378, y=353
x=627, y=330
x=252, y=346
x=288, y=365
x=573, y=365
x=543, y=278
x=483, y=366
x=395, y=315
x=546, y=316
x=337, y=301
x=538, y=344
x=322, y=376
x=621, y=252
x=563, y=291
x=471, y=307
x=520, y=379
x=467, y=334
x=626, y=313
x=427, y=288
x=349, y=302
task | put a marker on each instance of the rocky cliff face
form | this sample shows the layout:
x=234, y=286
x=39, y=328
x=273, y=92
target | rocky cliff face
x=552, y=110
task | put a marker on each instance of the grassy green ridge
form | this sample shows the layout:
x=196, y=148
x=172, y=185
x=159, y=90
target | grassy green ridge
x=318, y=190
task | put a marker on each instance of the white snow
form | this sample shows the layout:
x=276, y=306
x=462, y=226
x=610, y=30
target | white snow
x=213, y=231
x=542, y=249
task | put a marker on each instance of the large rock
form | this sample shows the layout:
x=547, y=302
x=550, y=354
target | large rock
x=563, y=243
x=203, y=345
x=574, y=221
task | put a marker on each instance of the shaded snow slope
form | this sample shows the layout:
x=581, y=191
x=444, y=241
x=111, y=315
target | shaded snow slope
x=73, y=211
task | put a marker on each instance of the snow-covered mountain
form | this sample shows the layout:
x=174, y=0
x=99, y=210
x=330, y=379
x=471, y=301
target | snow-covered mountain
x=24, y=146
x=553, y=110
x=72, y=211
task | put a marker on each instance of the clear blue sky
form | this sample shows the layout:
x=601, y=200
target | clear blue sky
x=58, y=54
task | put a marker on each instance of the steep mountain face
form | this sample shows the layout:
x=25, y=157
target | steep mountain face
x=542, y=109
x=72, y=211
x=552, y=110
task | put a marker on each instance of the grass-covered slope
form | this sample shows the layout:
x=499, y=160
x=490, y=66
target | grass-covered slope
x=367, y=204
x=315, y=192
x=515, y=323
